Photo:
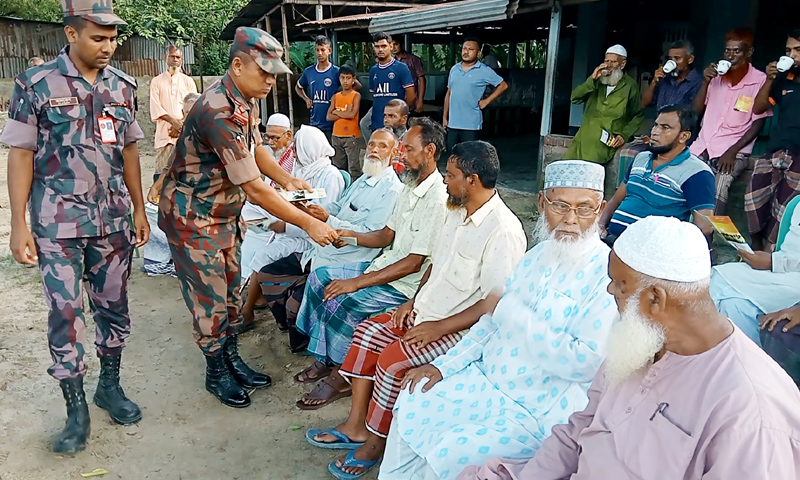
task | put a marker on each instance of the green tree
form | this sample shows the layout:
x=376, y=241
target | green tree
x=197, y=21
x=43, y=10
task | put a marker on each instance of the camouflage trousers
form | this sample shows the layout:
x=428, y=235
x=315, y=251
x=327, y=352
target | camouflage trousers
x=210, y=286
x=105, y=263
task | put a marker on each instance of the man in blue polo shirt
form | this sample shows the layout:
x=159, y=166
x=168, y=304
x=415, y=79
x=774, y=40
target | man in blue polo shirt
x=665, y=181
x=464, y=102
x=388, y=79
x=317, y=85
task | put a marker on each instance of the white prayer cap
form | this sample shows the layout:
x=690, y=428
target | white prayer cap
x=665, y=248
x=619, y=50
x=279, y=120
x=574, y=174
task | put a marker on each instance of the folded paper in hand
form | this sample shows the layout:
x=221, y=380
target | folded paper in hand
x=302, y=195
x=726, y=229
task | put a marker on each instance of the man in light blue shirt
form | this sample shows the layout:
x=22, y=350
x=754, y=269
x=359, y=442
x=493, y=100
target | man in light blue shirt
x=464, y=102
x=364, y=207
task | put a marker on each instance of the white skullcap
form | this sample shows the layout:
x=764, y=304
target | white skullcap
x=619, y=50
x=574, y=174
x=665, y=248
x=279, y=120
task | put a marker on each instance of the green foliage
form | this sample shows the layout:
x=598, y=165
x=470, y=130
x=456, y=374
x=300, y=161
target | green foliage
x=43, y=10
x=302, y=55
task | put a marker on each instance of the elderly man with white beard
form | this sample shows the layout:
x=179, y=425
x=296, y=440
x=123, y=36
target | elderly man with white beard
x=683, y=394
x=338, y=298
x=613, y=110
x=364, y=207
x=526, y=367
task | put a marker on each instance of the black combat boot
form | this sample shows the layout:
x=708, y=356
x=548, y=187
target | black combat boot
x=109, y=395
x=73, y=438
x=221, y=383
x=245, y=376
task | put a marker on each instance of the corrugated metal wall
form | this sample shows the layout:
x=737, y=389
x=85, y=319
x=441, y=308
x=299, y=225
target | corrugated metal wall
x=20, y=40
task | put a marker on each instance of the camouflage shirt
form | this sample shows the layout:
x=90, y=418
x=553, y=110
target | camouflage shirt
x=201, y=201
x=78, y=190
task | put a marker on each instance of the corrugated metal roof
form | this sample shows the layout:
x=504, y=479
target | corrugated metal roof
x=444, y=16
x=335, y=21
x=256, y=9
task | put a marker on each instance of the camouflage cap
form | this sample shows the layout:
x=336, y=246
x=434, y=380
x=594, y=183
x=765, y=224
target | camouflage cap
x=100, y=12
x=263, y=47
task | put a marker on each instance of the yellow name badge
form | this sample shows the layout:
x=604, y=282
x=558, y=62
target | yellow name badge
x=744, y=104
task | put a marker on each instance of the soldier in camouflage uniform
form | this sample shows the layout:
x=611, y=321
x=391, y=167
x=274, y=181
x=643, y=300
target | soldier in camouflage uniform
x=73, y=135
x=218, y=162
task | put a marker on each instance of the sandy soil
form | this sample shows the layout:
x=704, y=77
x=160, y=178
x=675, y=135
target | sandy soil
x=185, y=432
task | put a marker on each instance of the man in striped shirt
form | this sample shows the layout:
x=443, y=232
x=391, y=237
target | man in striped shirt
x=666, y=180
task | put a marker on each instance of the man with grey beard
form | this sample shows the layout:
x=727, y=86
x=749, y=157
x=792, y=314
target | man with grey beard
x=613, y=111
x=683, y=394
x=480, y=243
x=526, y=366
x=339, y=297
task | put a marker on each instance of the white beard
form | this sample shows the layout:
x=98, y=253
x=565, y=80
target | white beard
x=633, y=343
x=614, y=78
x=374, y=166
x=566, y=250
x=279, y=153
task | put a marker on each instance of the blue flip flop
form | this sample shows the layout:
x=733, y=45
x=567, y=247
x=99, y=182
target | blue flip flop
x=344, y=444
x=351, y=461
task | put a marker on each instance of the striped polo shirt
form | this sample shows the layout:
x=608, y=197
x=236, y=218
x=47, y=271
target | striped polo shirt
x=675, y=189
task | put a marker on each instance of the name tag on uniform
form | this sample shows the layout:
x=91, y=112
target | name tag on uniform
x=744, y=104
x=63, y=102
x=106, y=128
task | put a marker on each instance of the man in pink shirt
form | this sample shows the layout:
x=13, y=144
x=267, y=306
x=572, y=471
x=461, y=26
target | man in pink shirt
x=167, y=92
x=683, y=394
x=730, y=126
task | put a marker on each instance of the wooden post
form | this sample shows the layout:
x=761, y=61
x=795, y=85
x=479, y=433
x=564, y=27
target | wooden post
x=288, y=62
x=268, y=28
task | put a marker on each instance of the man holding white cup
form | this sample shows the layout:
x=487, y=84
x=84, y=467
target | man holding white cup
x=677, y=81
x=776, y=177
x=730, y=124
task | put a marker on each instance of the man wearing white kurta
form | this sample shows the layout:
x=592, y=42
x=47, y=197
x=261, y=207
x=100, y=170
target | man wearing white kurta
x=683, y=394
x=525, y=368
x=262, y=246
x=313, y=165
x=764, y=282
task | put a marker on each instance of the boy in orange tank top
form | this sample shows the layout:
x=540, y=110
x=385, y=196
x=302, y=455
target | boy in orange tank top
x=343, y=112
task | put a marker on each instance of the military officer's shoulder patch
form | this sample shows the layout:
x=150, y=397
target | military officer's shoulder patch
x=32, y=76
x=240, y=115
x=123, y=76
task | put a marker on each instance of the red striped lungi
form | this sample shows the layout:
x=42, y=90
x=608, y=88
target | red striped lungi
x=377, y=353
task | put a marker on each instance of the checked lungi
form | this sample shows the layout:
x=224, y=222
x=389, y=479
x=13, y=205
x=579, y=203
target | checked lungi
x=282, y=284
x=775, y=181
x=330, y=325
x=723, y=181
x=379, y=354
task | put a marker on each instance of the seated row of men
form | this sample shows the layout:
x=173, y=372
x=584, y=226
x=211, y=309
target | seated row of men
x=735, y=100
x=415, y=301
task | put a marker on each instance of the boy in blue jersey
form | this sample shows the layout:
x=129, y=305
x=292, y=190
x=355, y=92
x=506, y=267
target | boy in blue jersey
x=318, y=84
x=388, y=79
x=666, y=180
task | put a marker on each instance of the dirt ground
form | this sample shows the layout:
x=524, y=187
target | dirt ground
x=185, y=432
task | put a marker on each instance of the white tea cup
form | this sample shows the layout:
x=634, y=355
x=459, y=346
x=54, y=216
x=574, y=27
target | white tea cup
x=785, y=63
x=723, y=66
x=669, y=67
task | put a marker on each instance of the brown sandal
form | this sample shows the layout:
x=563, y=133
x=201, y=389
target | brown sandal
x=325, y=390
x=317, y=371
